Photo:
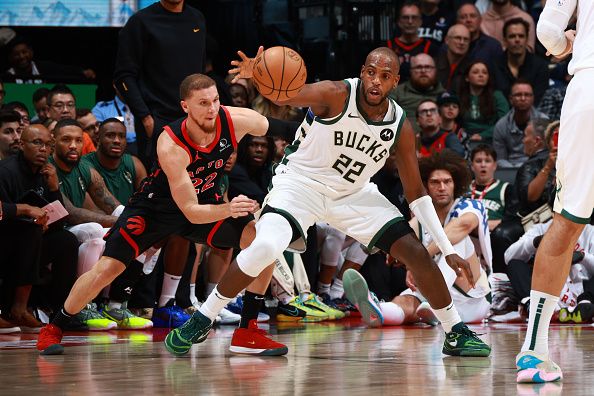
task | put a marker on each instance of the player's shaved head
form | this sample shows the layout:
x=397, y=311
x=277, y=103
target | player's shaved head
x=384, y=55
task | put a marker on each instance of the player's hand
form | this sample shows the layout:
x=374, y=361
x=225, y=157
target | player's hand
x=50, y=176
x=149, y=125
x=244, y=67
x=410, y=281
x=461, y=267
x=570, y=36
x=242, y=206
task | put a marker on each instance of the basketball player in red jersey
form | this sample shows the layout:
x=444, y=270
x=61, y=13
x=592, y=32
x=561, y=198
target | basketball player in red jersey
x=179, y=197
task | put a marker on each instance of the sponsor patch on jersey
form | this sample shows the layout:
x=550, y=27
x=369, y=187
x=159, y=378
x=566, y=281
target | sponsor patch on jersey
x=387, y=134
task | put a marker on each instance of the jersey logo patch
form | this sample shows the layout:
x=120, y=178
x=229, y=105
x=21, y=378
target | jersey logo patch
x=136, y=225
x=223, y=143
x=387, y=134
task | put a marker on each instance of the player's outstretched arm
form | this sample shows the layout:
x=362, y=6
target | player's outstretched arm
x=247, y=121
x=326, y=98
x=421, y=204
x=174, y=161
x=551, y=26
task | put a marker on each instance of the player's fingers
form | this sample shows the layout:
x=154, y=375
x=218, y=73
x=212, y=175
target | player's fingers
x=467, y=273
x=242, y=55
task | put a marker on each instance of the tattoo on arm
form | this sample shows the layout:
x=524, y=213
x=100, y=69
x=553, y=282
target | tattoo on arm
x=100, y=194
x=81, y=215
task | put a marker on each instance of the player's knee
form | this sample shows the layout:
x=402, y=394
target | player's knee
x=106, y=270
x=90, y=231
x=259, y=255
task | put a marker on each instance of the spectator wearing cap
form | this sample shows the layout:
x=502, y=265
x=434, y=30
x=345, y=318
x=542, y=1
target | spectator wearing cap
x=508, y=134
x=423, y=84
x=449, y=111
x=433, y=138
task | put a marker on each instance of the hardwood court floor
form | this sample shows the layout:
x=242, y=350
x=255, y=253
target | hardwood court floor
x=333, y=358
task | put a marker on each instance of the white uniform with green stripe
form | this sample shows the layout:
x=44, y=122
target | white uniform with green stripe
x=325, y=173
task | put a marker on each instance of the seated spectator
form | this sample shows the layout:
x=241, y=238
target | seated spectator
x=500, y=12
x=40, y=105
x=437, y=19
x=28, y=244
x=480, y=104
x=518, y=62
x=482, y=47
x=575, y=301
x=409, y=44
x=491, y=192
x=117, y=108
x=23, y=111
x=239, y=95
x=62, y=105
x=508, y=134
x=423, y=84
x=552, y=102
x=452, y=62
x=446, y=178
x=282, y=112
x=10, y=133
x=449, y=111
x=23, y=69
x=433, y=138
x=89, y=124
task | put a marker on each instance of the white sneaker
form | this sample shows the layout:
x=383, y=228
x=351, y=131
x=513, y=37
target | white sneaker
x=228, y=317
x=263, y=317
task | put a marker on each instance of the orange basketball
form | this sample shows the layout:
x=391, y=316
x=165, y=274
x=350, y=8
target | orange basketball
x=279, y=73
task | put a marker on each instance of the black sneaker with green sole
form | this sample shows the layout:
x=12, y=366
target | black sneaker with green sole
x=462, y=341
x=194, y=331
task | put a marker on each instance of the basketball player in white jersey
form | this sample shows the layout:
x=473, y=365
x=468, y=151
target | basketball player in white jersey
x=349, y=130
x=575, y=181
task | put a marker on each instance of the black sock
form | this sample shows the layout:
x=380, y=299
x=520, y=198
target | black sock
x=252, y=303
x=62, y=319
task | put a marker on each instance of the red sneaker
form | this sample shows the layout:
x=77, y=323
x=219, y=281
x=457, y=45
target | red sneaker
x=49, y=340
x=253, y=341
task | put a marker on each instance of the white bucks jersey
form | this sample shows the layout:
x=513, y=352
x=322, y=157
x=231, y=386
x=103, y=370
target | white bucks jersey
x=343, y=152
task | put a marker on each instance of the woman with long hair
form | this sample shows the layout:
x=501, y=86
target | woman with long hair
x=480, y=104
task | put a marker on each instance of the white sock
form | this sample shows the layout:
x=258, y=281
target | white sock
x=337, y=289
x=170, y=283
x=210, y=287
x=323, y=288
x=393, y=313
x=114, y=305
x=213, y=304
x=448, y=317
x=542, y=307
x=193, y=298
x=304, y=295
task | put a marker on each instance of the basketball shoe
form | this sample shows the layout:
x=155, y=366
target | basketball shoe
x=426, y=315
x=125, y=319
x=356, y=290
x=6, y=327
x=48, y=342
x=582, y=313
x=89, y=319
x=194, y=331
x=314, y=302
x=537, y=368
x=253, y=341
x=290, y=312
x=462, y=341
x=170, y=316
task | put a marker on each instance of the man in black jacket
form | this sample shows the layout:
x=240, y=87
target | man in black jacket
x=27, y=183
x=158, y=47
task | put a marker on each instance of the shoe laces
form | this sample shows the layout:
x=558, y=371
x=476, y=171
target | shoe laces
x=90, y=312
x=466, y=331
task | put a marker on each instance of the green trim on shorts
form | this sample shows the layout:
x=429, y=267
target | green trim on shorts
x=575, y=219
x=292, y=220
x=488, y=297
x=379, y=234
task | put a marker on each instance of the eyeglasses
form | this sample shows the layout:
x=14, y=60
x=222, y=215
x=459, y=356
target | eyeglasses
x=427, y=112
x=38, y=143
x=461, y=38
x=522, y=95
x=61, y=105
x=422, y=68
x=410, y=17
